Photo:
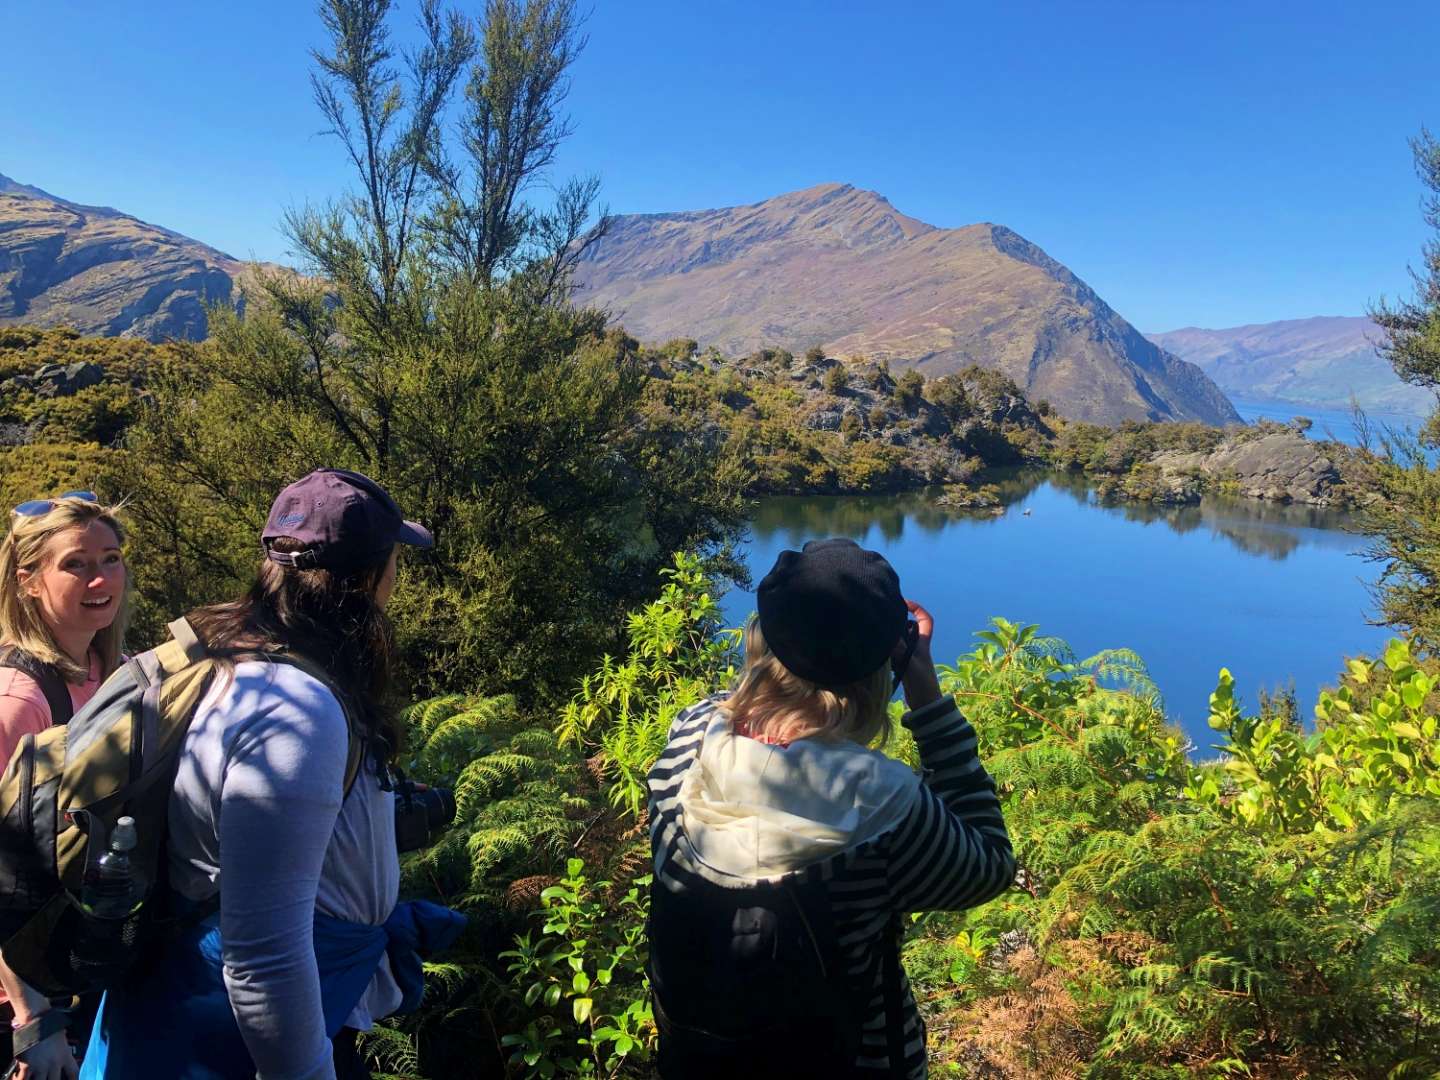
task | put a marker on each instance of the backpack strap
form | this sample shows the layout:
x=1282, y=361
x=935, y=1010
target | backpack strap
x=30, y=1035
x=183, y=634
x=52, y=684
x=355, y=752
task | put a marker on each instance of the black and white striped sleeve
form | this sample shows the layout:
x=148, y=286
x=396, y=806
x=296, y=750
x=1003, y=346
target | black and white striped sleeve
x=952, y=851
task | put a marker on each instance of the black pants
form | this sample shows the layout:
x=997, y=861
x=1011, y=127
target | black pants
x=349, y=1065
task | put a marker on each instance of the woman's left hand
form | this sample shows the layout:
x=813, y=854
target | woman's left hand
x=920, y=682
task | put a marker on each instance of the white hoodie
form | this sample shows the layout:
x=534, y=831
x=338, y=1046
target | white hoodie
x=755, y=811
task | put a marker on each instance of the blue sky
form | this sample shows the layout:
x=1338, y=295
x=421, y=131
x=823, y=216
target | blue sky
x=1197, y=163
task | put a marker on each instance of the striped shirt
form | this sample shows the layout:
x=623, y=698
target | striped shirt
x=949, y=852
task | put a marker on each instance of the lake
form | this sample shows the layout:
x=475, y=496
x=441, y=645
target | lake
x=1275, y=593
x=1328, y=423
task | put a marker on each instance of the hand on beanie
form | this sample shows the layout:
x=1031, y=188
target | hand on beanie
x=921, y=684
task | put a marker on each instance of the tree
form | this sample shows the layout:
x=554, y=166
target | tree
x=434, y=345
x=836, y=379
x=950, y=394
x=1411, y=328
x=680, y=349
x=909, y=390
x=814, y=354
x=1403, y=521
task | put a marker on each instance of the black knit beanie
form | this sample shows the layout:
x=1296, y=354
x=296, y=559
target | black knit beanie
x=832, y=611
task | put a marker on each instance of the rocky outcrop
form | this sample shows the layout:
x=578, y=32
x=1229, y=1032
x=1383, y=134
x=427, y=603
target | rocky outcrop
x=841, y=268
x=60, y=380
x=101, y=271
x=1277, y=465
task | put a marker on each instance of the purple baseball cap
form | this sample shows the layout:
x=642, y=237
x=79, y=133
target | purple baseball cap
x=345, y=520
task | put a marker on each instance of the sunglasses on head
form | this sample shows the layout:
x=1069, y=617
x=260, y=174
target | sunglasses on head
x=37, y=507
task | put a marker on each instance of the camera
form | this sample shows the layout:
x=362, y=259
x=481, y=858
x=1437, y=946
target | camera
x=421, y=814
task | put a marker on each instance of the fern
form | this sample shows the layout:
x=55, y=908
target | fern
x=517, y=798
x=393, y=1054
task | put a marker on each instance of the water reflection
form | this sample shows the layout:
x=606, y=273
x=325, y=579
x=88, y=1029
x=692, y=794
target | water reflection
x=1262, y=529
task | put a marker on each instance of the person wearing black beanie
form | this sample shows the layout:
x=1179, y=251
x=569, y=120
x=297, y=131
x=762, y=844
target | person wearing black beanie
x=787, y=847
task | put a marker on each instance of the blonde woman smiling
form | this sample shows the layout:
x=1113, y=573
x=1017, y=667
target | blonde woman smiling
x=64, y=603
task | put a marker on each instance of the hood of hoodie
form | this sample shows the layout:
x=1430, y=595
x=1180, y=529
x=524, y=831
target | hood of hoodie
x=758, y=811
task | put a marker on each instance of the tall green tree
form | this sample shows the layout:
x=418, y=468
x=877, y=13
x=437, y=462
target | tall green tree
x=1404, y=521
x=1411, y=328
x=432, y=342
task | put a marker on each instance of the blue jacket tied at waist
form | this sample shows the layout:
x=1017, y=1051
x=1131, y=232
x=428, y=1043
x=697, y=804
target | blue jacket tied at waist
x=174, y=1019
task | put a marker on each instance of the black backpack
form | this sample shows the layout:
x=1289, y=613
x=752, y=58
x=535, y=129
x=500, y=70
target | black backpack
x=750, y=983
x=52, y=683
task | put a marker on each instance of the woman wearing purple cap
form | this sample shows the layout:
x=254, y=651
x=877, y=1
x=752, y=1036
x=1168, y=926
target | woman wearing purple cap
x=281, y=843
x=786, y=850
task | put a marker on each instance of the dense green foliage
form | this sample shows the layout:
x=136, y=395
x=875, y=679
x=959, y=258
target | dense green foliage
x=1189, y=919
x=584, y=970
x=677, y=655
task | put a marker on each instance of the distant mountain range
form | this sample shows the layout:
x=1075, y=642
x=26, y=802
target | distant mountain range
x=832, y=266
x=101, y=271
x=841, y=268
x=1320, y=361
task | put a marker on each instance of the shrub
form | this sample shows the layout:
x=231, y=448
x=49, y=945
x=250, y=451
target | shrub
x=583, y=982
x=949, y=393
x=909, y=390
x=678, y=655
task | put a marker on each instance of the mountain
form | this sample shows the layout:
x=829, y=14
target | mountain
x=101, y=271
x=1320, y=361
x=841, y=268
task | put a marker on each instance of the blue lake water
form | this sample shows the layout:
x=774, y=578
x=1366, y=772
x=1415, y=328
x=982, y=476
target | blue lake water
x=1274, y=593
x=1328, y=423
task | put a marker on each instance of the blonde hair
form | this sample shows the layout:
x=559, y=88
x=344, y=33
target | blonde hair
x=777, y=704
x=26, y=547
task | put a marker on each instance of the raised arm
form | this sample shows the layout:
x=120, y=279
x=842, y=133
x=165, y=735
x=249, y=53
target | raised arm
x=952, y=851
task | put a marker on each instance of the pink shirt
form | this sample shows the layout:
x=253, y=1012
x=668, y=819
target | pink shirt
x=24, y=710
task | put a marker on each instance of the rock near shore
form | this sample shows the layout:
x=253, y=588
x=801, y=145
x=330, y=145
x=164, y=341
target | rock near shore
x=1276, y=465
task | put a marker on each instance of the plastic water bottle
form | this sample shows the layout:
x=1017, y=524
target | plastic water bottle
x=110, y=890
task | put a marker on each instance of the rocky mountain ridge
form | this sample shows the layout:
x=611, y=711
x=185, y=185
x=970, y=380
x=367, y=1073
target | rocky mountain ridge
x=841, y=268
x=101, y=271
x=1320, y=361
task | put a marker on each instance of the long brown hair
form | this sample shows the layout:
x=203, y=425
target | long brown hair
x=327, y=618
x=27, y=547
